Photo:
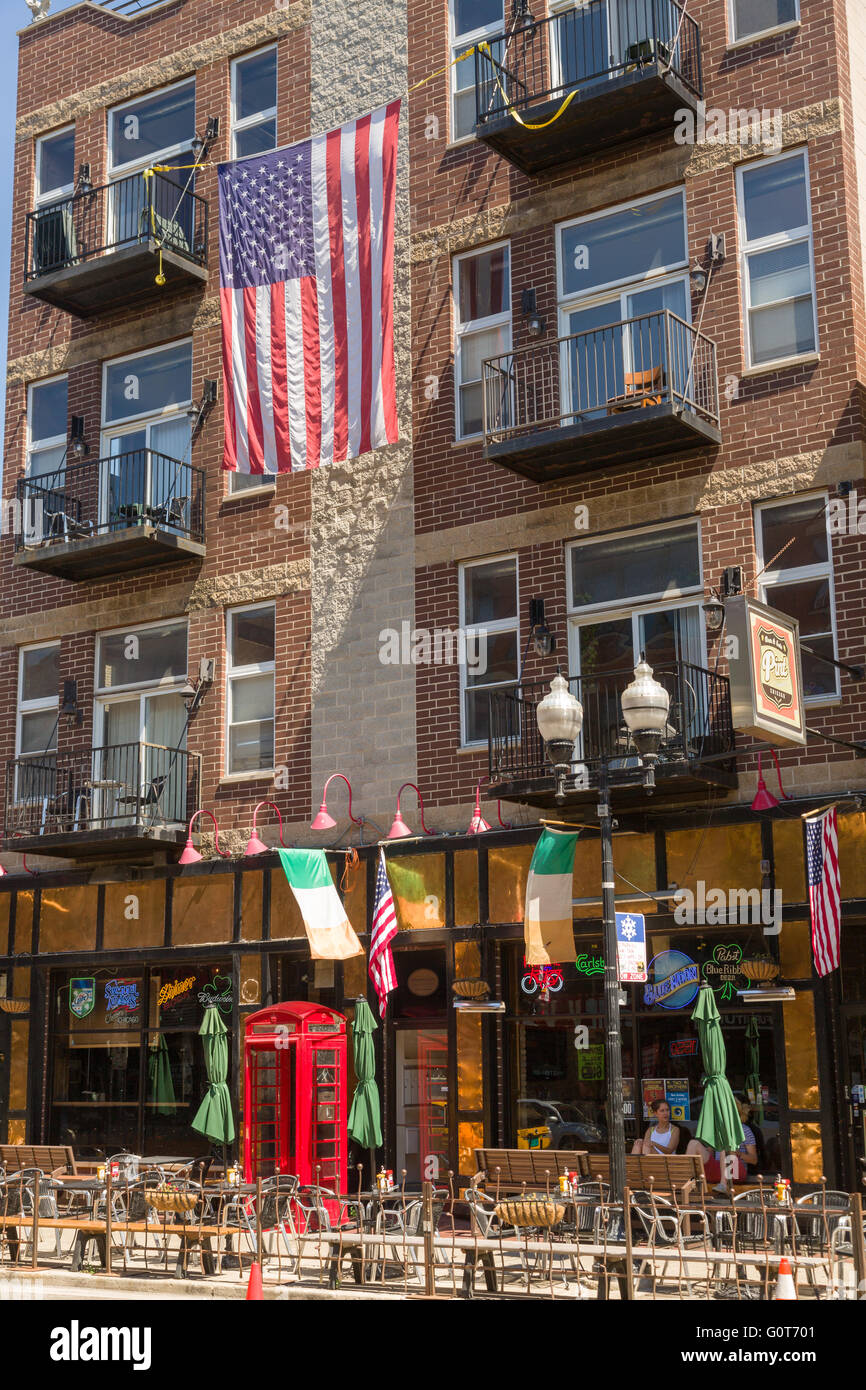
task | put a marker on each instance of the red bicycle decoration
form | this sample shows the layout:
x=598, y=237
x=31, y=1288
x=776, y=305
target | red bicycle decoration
x=546, y=979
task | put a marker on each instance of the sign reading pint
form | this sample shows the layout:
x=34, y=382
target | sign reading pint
x=765, y=672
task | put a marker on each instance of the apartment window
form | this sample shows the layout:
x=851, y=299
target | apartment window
x=637, y=592
x=749, y=18
x=140, y=724
x=47, y=426
x=488, y=618
x=482, y=311
x=156, y=128
x=617, y=272
x=55, y=165
x=777, y=268
x=469, y=21
x=254, y=103
x=38, y=701
x=799, y=581
x=146, y=433
x=251, y=651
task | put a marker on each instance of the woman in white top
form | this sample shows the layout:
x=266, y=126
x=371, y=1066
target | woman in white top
x=661, y=1138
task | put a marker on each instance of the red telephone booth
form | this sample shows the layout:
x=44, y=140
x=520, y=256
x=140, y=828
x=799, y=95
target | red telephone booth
x=295, y=1094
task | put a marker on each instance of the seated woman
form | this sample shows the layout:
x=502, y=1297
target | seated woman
x=661, y=1138
x=737, y=1163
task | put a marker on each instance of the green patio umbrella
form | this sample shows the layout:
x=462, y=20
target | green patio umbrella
x=159, y=1077
x=753, y=1069
x=214, y=1118
x=364, y=1122
x=719, y=1121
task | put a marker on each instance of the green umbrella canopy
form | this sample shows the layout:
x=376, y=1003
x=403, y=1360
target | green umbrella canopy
x=364, y=1123
x=214, y=1118
x=159, y=1076
x=719, y=1121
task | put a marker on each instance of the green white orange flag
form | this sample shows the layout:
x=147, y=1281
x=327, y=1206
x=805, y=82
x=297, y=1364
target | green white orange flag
x=548, y=929
x=328, y=929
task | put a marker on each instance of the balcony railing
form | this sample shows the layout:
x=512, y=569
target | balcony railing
x=625, y=64
x=139, y=788
x=651, y=375
x=700, y=727
x=98, y=247
x=108, y=515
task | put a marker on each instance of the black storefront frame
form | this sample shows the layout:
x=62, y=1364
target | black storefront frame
x=829, y=1061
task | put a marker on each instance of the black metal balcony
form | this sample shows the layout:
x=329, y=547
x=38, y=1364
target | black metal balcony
x=697, y=750
x=111, y=515
x=620, y=394
x=101, y=248
x=100, y=802
x=626, y=68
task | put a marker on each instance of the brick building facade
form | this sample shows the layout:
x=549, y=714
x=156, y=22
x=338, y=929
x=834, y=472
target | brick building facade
x=616, y=476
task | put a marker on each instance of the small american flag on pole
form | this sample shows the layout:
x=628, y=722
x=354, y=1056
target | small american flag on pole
x=822, y=865
x=307, y=293
x=383, y=932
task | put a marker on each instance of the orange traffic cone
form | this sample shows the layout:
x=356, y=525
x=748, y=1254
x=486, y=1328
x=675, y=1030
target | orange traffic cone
x=254, y=1287
x=786, y=1288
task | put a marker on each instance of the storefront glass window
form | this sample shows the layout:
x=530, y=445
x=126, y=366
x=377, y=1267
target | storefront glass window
x=127, y=1064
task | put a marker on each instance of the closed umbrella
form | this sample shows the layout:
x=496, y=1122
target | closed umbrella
x=159, y=1077
x=214, y=1118
x=719, y=1123
x=753, y=1069
x=364, y=1117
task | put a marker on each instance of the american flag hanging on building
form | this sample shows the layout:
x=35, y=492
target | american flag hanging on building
x=822, y=866
x=383, y=932
x=307, y=291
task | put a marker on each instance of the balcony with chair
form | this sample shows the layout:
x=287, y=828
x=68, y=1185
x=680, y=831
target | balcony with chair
x=116, y=800
x=111, y=515
x=697, y=749
x=632, y=390
x=102, y=248
x=589, y=78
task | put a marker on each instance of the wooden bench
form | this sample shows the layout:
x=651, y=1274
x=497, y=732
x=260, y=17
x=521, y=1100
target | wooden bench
x=86, y=1228
x=512, y=1170
x=661, y=1172
x=52, y=1159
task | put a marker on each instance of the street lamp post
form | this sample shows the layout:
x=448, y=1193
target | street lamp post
x=645, y=705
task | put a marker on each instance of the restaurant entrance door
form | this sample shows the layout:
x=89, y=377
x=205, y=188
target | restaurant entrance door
x=854, y=1082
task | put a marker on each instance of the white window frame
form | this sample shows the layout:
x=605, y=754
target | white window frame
x=499, y=625
x=798, y=573
x=134, y=421
x=43, y=705
x=35, y=446
x=456, y=46
x=233, y=673
x=735, y=40
x=258, y=117
x=632, y=606
x=163, y=686
x=473, y=326
x=567, y=302
x=792, y=237
x=119, y=171
x=44, y=197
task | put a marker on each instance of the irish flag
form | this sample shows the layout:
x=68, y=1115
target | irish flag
x=548, y=929
x=329, y=931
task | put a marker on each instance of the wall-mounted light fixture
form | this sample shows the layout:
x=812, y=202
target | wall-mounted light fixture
x=201, y=145
x=196, y=688
x=77, y=442
x=200, y=410
x=535, y=324
x=543, y=639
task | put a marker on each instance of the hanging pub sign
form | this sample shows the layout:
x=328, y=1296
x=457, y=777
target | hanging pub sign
x=766, y=676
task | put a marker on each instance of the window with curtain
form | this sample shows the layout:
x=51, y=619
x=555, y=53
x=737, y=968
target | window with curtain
x=482, y=304
x=36, y=732
x=489, y=618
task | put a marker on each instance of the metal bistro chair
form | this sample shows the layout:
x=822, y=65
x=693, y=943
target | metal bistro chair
x=663, y=1226
x=817, y=1215
x=23, y=1185
x=277, y=1216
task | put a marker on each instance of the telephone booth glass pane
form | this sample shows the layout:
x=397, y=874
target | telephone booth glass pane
x=326, y=1117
